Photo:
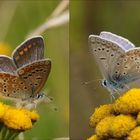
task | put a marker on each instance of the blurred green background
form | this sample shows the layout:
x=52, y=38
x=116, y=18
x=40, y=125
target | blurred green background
x=91, y=17
x=17, y=19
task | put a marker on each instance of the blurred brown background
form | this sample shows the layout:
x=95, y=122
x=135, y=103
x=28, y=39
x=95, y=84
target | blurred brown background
x=92, y=17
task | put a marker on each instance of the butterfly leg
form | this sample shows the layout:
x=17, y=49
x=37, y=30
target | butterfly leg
x=112, y=97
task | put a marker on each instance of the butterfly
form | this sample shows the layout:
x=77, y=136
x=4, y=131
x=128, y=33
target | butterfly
x=118, y=60
x=24, y=74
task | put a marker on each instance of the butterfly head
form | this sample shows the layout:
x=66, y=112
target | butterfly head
x=104, y=83
x=113, y=87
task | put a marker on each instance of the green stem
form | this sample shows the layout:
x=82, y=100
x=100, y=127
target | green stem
x=1, y=126
x=12, y=134
x=4, y=132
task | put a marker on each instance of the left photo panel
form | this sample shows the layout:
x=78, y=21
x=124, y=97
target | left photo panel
x=34, y=70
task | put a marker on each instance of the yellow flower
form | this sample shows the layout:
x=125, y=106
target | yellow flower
x=103, y=127
x=17, y=119
x=138, y=118
x=129, y=102
x=94, y=137
x=5, y=48
x=2, y=110
x=31, y=114
x=100, y=113
x=34, y=116
x=121, y=125
x=134, y=134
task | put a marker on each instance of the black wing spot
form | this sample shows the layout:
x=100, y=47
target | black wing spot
x=30, y=74
x=25, y=77
x=5, y=90
x=124, y=73
x=38, y=78
x=4, y=80
x=25, y=87
x=102, y=58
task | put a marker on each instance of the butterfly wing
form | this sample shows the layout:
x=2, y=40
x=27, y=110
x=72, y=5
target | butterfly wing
x=7, y=65
x=35, y=74
x=11, y=86
x=122, y=42
x=106, y=53
x=29, y=51
x=128, y=70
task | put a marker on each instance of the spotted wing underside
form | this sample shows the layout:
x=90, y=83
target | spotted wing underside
x=106, y=54
x=35, y=74
x=127, y=69
x=13, y=87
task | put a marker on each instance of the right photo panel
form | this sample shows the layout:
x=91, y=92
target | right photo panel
x=104, y=70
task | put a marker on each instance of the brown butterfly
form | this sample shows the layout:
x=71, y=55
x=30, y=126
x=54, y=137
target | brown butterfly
x=23, y=75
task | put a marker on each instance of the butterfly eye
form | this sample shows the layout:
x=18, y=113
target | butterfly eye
x=104, y=83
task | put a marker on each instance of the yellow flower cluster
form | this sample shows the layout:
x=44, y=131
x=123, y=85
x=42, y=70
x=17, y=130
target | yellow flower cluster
x=119, y=120
x=17, y=118
x=5, y=49
x=94, y=137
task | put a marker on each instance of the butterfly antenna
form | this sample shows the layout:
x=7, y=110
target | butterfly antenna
x=112, y=98
x=127, y=86
x=33, y=90
x=48, y=100
x=92, y=81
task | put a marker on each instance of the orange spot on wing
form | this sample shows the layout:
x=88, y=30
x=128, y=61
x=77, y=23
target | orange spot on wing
x=17, y=57
x=29, y=46
x=25, y=49
x=21, y=52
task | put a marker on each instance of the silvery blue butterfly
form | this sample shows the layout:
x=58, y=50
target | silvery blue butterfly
x=24, y=74
x=118, y=60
